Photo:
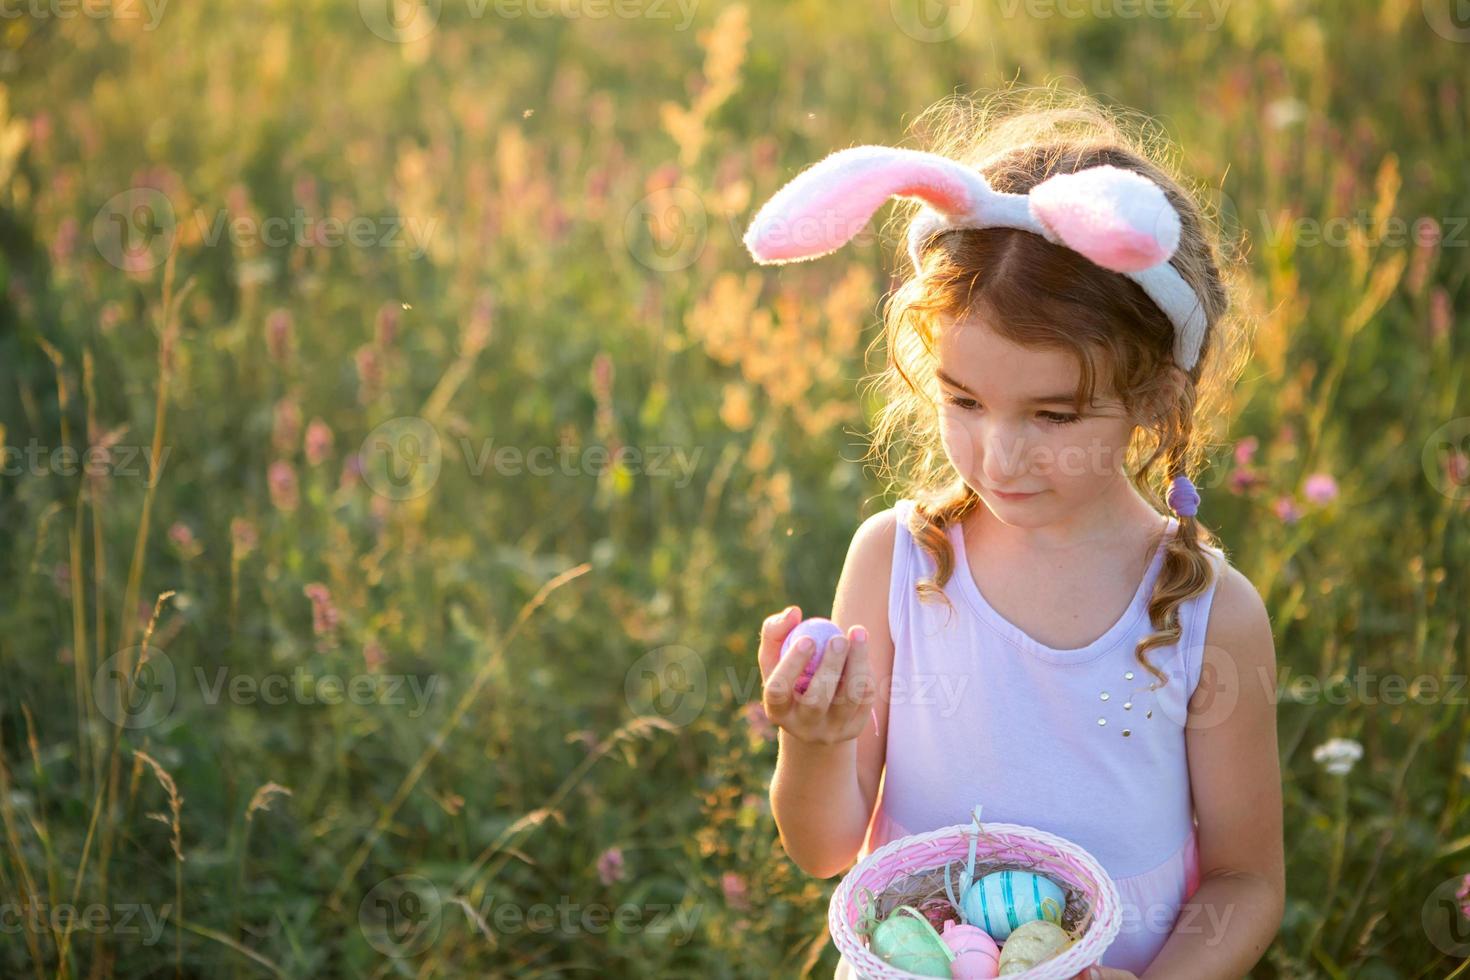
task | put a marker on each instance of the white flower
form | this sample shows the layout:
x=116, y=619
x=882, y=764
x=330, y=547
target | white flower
x=1338, y=755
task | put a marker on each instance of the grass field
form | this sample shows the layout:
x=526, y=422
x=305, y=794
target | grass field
x=401, y=452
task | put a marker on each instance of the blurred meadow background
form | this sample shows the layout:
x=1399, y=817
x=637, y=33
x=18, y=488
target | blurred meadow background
x=402, y=450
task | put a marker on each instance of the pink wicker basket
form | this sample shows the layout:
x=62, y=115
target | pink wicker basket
x=1097, y=913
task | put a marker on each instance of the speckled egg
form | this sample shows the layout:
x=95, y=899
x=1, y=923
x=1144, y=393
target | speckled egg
x=1003, y=900
x=1031, y=943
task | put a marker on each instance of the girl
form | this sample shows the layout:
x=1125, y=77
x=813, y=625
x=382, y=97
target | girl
x=1032, y=627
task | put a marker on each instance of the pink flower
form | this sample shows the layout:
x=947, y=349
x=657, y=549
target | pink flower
x=282, y=480
x=1244, y=481
x=286, y=426
x=243, y=536
x=351, y=473
x=386, y=327
x=278, y=335
x=373, y=656
x=369, y=373
x=759, y=721
x=1457, y=468
x=318, y=442
x=610, y=866
x=1320, y=488
x=1440, y=313
x=1287, y=510
x=183, y=538
x=323, y=613
x=1245, y=450
x=737, y=893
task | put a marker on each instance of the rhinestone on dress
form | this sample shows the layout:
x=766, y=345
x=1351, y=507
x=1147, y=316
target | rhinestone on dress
x=1127, y=731
x=1127, y=705
x=1105, y=695
x=1128, y=676
x=1150, y=713
x=1102, y=721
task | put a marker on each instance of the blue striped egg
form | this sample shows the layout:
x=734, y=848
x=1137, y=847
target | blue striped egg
x=1002, y=900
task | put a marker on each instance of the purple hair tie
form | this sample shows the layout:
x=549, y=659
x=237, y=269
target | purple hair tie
x=1183, y=497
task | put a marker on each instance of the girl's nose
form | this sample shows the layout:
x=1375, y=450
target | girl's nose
x=1003, y=455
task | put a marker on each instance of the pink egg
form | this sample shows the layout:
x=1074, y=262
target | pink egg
x=822, y=631
x=976, y=956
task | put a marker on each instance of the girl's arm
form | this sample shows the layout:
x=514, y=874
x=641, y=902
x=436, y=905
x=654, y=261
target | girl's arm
x=831, y=757
x=1235, y=777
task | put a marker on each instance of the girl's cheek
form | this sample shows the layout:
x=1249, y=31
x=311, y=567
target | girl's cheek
x=959, y=444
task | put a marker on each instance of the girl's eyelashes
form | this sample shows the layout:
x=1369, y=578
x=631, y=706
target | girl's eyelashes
x=1056, y=418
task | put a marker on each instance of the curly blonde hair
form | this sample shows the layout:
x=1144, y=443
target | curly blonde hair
x=1038, y=294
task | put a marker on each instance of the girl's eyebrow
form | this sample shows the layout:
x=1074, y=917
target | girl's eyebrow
x=1065, y=398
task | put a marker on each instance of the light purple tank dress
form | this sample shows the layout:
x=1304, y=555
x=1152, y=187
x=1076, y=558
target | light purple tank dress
x=1073, y=742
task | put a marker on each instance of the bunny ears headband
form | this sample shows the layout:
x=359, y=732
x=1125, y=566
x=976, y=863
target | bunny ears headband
x=1117, y=218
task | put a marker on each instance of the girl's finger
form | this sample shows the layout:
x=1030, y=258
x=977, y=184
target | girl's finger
x=819, y=692
x=780, y=683
x=773, y=634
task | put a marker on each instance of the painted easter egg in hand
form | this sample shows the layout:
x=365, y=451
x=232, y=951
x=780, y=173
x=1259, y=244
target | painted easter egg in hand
x=1003, y=900
x=908, y=942
x=821, y=631
x=976, y=956
x=1030, y=943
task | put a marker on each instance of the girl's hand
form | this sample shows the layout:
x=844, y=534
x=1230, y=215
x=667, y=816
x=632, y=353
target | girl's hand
x=1105, y=973
x=834, y=707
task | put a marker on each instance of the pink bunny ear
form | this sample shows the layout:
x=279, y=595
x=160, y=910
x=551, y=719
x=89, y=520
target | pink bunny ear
x=1117, y=218
x=824, y=206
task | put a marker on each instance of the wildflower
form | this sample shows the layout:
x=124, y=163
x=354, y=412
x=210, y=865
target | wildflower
x=369, y=373
x=759, y=721
x=1320, y=488
x=1286, y=510
x=1245, y=450
x=737, y=893
x=183, y=538
x=386, y=327
x=1440, y=313
x=1338, y=755
x=373, y=656
x=324, y=615
x=243, y=536
x=286, y=427
x=610, y=866
x=318, y=442
x=1244, y=481
x=278, y=335
x=351, y=472
x=282, y=480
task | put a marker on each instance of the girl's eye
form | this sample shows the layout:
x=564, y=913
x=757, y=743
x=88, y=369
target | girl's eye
x=1055, y=418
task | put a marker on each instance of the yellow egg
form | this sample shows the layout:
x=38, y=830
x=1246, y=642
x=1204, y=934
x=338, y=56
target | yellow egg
x=1030, y=943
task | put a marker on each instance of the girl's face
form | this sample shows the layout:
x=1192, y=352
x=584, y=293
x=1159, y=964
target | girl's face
x=1009, y=427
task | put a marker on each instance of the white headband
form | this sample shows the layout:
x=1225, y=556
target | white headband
x=1117, y=218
